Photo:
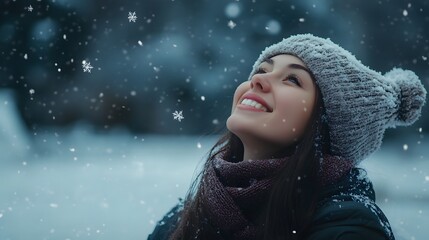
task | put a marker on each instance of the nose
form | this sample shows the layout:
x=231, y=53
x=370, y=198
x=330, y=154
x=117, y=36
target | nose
x=260, y=82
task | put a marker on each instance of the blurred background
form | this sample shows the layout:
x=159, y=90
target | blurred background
x=107, y=108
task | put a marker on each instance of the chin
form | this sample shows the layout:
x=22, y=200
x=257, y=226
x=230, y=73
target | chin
x=236, y=127
x=230, y=123
x=235, y=122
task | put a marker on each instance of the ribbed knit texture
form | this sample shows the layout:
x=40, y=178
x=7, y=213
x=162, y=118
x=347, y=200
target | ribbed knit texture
x=360, y=103
x=234, y=190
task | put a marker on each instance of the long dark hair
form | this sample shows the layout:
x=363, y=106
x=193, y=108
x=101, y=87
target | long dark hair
x=293, y=198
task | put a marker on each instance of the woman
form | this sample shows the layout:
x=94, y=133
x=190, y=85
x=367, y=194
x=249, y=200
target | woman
x=286, y=168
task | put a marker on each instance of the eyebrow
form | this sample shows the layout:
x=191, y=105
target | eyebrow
x=292, y=65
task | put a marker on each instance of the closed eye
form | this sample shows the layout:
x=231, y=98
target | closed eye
x=260, y=71
x=294, y=78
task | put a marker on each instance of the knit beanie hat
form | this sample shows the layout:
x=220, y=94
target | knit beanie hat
x=360, y=103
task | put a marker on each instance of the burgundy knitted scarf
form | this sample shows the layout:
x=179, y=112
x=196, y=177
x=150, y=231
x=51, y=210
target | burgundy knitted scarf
x=232, y=190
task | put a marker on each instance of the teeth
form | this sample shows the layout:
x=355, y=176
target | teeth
x=254, y=104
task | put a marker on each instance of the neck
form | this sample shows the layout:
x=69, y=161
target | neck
x=258, y=152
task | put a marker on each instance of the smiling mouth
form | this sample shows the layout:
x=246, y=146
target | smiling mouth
x=253, y=105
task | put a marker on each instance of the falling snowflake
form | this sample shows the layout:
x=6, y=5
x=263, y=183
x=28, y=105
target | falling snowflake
x=273, y=27
x=53, y=205
x=178, y=116
x=231, y=24
x=30, y=8
x=86, y=66
x=132, y=16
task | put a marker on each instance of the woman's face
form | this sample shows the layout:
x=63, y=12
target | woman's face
x=286, y=91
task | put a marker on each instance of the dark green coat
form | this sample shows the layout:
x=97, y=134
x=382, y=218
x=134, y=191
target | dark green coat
x=347, y=211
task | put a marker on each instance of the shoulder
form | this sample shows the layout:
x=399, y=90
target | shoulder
x=348, y=210
x=167, y=224
x=350, y=220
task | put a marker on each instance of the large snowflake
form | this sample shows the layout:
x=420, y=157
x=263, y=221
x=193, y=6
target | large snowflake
x=178, y=116
x=132, y=16
x=231, y=24
x=86, y=66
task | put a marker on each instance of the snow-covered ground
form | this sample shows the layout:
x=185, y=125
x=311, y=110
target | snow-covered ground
x=77, y=184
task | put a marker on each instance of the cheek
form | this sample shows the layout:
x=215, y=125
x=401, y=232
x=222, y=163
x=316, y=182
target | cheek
x=295, y=113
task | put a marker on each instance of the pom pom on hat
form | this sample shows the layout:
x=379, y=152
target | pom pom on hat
x=412, y=96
